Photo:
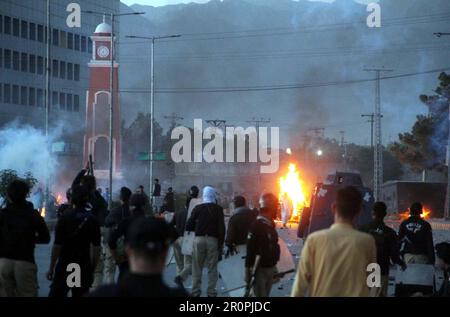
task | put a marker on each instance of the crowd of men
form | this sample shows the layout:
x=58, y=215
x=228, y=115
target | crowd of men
x=87, y=235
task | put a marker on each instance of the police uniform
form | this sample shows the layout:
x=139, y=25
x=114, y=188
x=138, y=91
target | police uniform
x=262, y=240
x=416, y=237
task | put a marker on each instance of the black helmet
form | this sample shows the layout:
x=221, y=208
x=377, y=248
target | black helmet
x=194, y=191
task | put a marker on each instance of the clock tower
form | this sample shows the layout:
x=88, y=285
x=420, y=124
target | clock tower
x=98, y=96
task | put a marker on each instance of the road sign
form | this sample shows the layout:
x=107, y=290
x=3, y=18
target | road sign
x=158, y=156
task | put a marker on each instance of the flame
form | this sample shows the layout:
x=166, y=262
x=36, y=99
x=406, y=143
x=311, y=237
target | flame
x=425, y=214
x=43, y=212
x=59, y=199
x=292, y=186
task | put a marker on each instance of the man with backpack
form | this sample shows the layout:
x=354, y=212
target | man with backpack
x=76, y=233
x=21, y=227
x=263, y=250
x=387, y=246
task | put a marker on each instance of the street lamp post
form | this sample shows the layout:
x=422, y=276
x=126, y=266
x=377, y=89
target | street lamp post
x=152, y=97
x=111, y=92
x=447, y=196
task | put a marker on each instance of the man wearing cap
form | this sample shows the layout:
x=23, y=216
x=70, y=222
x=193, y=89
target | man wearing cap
x=208, y=223
x=416, y=237
x=263, y=250
x=147, y=244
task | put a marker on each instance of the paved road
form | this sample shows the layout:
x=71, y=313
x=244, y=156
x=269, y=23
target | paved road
x=279, y=290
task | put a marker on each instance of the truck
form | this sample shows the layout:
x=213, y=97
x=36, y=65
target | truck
x=319, y=215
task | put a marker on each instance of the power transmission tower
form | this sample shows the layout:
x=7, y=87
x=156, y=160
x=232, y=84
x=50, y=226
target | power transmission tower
x=371, y=120
x=258, y=122
x=378, y=146
x=344, y=147
x=318, y=131
x=173, y=119
x=217, y=123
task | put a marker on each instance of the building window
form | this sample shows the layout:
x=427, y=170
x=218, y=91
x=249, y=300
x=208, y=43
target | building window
x=90, y=45
x=77, y=42
x=70, y=41
x=76, y=103
x=24, y=62
x=16, y=27
x=16, y=60
x=40, y=33
x=32, y=63
x=1, y=57
x=40, y=98
x=32, y=97
x=69, y=102
x=55, y=70
x=62, y=39
x=69, y=71
x=62, y=70
x=62, y=101
x=1, y=31
x=55, y=37
x=40, y=65
x=1, y=92
x=32, y=31
x=77, y=72
x=23, y=95
x=7, y=59
x=83, y=43
x=55, y=99
x=7, y=93
x=15, y=94
x=7, y=28
x=24, y=29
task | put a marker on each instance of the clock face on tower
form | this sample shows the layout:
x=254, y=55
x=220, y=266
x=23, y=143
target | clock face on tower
x=103, y=51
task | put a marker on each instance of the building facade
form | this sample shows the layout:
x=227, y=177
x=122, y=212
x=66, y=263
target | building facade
x=23, y=35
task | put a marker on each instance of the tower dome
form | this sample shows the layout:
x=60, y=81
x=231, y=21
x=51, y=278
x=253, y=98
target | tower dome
x=103, y=28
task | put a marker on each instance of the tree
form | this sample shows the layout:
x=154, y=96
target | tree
x=424, y=147
x=8, y=175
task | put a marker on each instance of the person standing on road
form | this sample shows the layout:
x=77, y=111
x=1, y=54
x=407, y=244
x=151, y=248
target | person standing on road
x=184, y=261
x=416, y=238
x=156, y=197
x=77, y=241
x=119, y=236
x=147, y=247
x=263, y=250
x=386, y=242
x=21, y=227
x=239, y=225
x=334, y=261
x=208, y=223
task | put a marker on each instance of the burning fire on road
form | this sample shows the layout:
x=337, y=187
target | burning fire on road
x=426, y=212
x=292, y=186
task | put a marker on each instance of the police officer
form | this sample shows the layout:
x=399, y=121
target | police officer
x=76, y=234
x=263, y=250
x=146, y=246
x=387, y=245
x=416, y=237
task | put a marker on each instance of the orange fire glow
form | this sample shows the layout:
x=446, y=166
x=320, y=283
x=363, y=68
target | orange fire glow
x=43, y=212
x=59, y=199
x=425, y=214
x=292, y=186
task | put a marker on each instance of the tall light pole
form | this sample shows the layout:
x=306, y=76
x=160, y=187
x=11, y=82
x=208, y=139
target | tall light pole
x=447, y=195
x=111, y=92
x=47, y=106
x=152, y=97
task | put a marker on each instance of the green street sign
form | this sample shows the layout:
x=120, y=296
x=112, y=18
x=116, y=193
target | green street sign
x=58, y=147
x=158, y=156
